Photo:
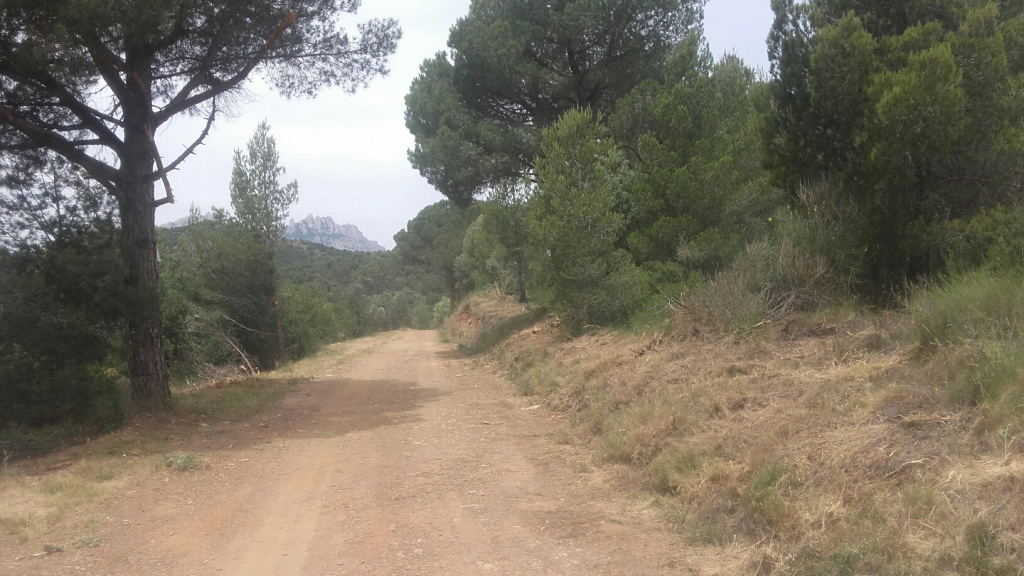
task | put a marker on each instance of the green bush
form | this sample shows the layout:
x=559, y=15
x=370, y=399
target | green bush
x=975, y=373
x=767, y=282
x=60, y=357
x=811, y=259
x=992, y=239
x=825, y=226
x=971, y=328
x=194, y=338
x=575, y=227
x=423, y=316
x=442, y=310
x=983, y=304
x=391, y=310
x=308, y=319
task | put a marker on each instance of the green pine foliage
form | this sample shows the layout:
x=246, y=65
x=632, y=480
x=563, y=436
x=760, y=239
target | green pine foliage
x=575, y=227
x=514, y=67
x=61, y=300
x=915, y=112
x=699, y=191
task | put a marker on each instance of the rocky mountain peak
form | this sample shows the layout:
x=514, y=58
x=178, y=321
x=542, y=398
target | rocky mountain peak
x=324, y=230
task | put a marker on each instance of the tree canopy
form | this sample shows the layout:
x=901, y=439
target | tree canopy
x=515, y=66
x=912, y=109
x=93, y=80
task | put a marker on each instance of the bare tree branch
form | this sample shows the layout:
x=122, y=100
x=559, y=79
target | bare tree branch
x=198, y=142
x=169, y=198
x=91, y=119
x=109, y=66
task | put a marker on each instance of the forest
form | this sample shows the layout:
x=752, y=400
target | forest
x=596, y=160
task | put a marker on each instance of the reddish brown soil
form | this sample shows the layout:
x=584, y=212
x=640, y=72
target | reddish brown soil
x=414, y=461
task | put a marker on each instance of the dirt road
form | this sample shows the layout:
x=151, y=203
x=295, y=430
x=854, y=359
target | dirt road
x=405, y=460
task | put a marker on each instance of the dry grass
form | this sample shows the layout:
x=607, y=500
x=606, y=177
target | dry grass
x=330, y=358
x=482, y=321
x=819, y=445
x=60, y=503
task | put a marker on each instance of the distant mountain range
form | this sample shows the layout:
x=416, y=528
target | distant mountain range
x=316, y=229
x=323, y=230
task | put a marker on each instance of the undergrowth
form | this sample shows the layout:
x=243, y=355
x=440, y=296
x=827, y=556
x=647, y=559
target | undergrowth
x=812, y=440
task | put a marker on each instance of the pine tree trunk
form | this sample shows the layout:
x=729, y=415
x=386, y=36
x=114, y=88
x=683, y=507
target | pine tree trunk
x=279, y=356
x=520, y=279
x=147, y=365
x=274, y=331
x=451, y=282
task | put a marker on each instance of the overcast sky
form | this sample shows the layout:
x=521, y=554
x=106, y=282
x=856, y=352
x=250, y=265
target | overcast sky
x=348, y=152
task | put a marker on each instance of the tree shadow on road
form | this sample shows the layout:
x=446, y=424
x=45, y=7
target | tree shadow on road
x=323, y=409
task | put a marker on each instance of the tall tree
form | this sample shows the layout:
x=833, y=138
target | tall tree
x=261, y=207
x=699, y=190
x=433, y=239
x=912, y=109
x=495, y=246
x=93, y=81
x=506, y=219
x=515, y=66
x=574, y=224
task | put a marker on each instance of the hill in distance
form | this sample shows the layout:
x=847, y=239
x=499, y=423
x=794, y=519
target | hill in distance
x=324, y=231
x=318, y=230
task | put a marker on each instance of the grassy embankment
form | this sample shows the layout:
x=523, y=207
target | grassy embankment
x=53, y=501
x=839, y=442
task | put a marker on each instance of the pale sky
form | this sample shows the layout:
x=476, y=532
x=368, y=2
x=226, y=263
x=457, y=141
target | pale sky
x=348, y=152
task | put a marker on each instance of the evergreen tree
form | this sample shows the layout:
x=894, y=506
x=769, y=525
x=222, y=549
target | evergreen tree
x=61, y=296
x=910, y=108
x=515, y=66
x=575, y=227
x=699, y=190
x=94, y=81
x=260, y=204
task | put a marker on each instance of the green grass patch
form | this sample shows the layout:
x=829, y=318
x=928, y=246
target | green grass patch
x=983, y=553
x=234, y=402
x=762, y=498
x=636, y=433
x=979, y=305
x=180, y=462
x=672, y=464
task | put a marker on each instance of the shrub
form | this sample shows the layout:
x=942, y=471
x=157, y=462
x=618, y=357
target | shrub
x=58, y=361
x=769, y=281
x=811, y=259
x=442, y=310
x=827, y=225
x=575, y=226
x=993, y=239
x=422, y=316
x=308, y=320
x=982, y=304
